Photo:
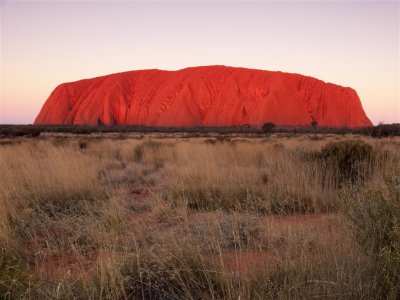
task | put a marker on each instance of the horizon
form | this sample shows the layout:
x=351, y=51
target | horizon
x=351, y=44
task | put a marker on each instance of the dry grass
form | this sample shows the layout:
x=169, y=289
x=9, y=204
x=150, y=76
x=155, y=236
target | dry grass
x=200, y=218
x=241, y=177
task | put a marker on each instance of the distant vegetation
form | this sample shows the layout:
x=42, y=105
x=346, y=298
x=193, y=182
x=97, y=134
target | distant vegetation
x=277, y=216
x=268, y=127
x=314, y=124
x=381, y=130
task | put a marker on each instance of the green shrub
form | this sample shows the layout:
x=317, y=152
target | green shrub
x=211, y=198
x=374, y=214
x=268, y=127
x=210, y=141
x=146, y=146
x=229, y=231
x=13, y=280
x=9, y=142
x=82, y=144
x=59, y=142
x=349, y=159
x=314, y=124
x=222, y=139
x=174, y=270
x=381, y=130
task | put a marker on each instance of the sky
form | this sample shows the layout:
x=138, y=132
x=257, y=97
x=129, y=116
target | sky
x=350, y=43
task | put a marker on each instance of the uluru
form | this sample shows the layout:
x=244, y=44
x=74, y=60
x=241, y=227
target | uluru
x=203, y=96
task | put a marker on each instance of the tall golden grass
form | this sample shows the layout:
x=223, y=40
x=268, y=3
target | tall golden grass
x=217, y=218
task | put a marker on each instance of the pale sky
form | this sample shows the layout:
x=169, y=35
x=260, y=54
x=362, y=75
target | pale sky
x=350, y=43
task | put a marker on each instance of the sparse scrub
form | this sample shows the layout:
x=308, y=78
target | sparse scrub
x=179, y=269
x=210, y=141
x=350, y=160
x=14, y=280
x=229, y=231
x=154, y=152
x=146, y=146
x=275, y=217
x=374, y=214
x=268, y=127
x=82, y=144
x=247, y=178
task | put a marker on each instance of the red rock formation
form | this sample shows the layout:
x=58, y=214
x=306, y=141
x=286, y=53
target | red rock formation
x=203, y=96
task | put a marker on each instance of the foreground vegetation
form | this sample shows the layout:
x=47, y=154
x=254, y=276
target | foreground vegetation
x=200, y=218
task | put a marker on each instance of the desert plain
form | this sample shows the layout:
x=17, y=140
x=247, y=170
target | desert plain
x=211, y=216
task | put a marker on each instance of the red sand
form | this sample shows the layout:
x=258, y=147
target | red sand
x=203, y=96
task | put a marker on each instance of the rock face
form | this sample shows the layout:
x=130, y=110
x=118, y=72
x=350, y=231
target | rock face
x=203, y=96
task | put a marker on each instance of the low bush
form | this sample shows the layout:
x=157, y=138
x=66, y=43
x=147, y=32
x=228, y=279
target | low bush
x=177, y=269
x=381, y=130
x=146, y=146
x=268, y=127
x=13, y=276
x=82, y=144
x=210, y=141
x=374, y=214
x=230, y=231
x=349, y=159
x=212, y=197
